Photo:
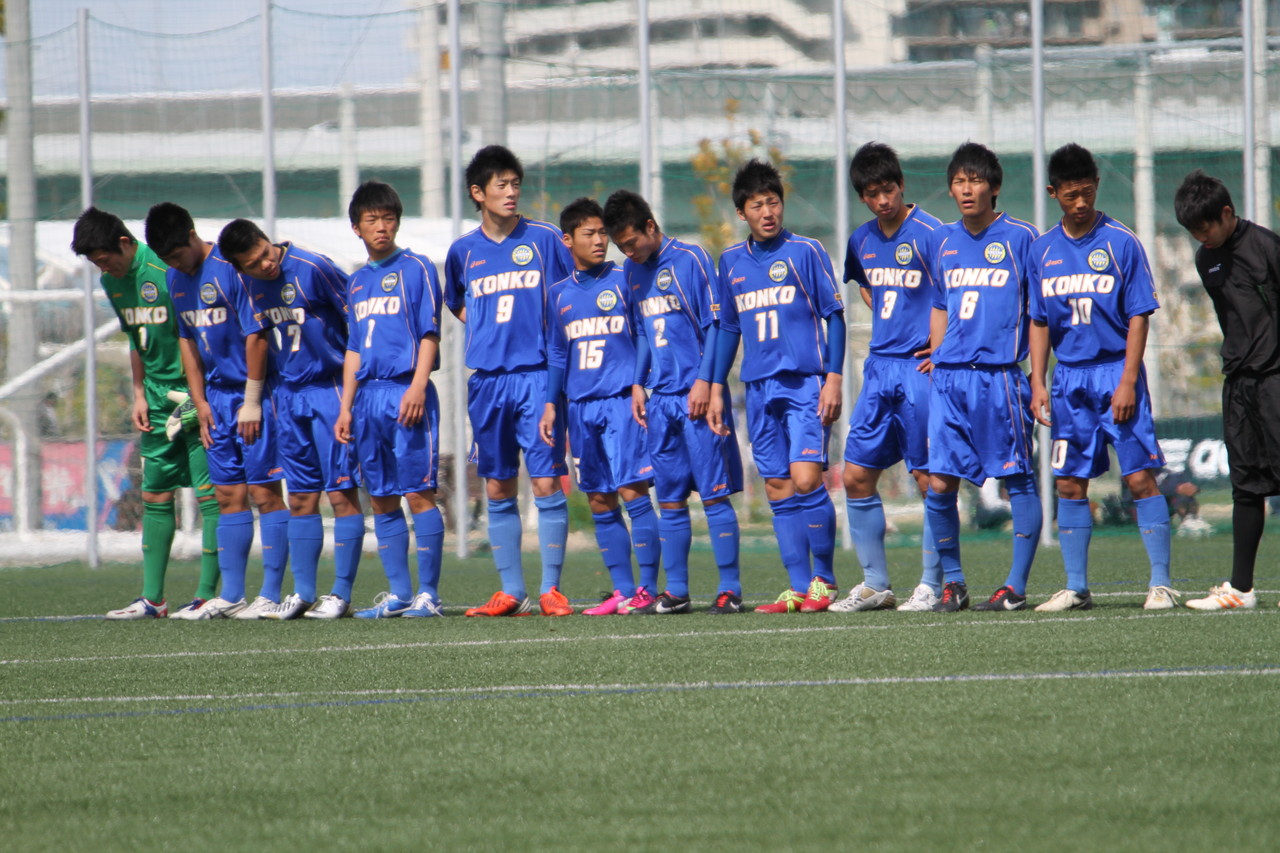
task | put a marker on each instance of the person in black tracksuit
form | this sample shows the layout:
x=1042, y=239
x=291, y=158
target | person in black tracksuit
x=1239, y=264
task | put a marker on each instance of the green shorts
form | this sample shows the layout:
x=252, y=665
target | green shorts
x=170, y=465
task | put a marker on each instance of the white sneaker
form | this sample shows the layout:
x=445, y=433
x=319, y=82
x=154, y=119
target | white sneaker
x=863, y=597
x=1067, y=599
x=139, y=608
x=219, y=608
x=260, y=607
x=292, y=607
x=329, y=607
x=1161, y=598
x=921, y=601
x=188, y=610
x=1224, y=597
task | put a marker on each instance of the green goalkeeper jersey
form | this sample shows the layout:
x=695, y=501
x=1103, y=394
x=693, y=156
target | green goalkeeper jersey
x=142, y=304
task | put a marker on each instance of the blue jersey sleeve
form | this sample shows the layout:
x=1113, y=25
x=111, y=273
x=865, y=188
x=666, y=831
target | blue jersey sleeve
x=557, y=343
x=853, y=270
x=724, y=306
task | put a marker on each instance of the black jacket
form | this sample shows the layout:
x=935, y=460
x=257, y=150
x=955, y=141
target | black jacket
x=1243, y=279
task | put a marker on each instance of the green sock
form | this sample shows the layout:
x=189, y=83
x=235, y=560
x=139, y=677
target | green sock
x=158, y=524
x=209, y=551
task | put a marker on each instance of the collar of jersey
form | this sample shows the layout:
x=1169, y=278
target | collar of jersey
x=981, y=235
x=391, y=258
x=768, y=247
x=597, y=272
x=520, y=224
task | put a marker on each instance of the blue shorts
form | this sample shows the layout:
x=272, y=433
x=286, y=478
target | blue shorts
x=783, y=423
x=1083, y=426
x=505, y=409
x=395, y=459
x=312, y=459
x=608, y=445
x=231, y=461
x=980, y=423
x=687, y=456
x=890, y=421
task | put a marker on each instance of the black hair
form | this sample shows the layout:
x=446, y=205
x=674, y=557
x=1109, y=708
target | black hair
x=755, y=177
x=168, y=228
x=99, y=231
x=374, y=197
x=237, y=237
x=874, y=163
x=979, y=160
x=1200, y=200
x=625, y=209
x=489, y=161
x=1071, y=162
x=577, y=212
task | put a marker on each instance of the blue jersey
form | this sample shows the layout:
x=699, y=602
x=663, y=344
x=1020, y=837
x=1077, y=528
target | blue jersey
x=777, y=294
x=504, y=289
x=591, y=332
x=892, y=270
x=307, y=305
x=1087, y=290
x=981, y=282
x=214, y=310
x=672, y=299
x=392, y=305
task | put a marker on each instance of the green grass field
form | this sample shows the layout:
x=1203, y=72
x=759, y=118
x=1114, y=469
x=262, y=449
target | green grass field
x=1113, y=729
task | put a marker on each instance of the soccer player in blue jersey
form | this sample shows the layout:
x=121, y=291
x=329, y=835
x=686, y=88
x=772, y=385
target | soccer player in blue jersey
x=777, y=291
x=303, y=296
x=225, y=356
x=1092, y=297
x=979, y=420
x=890, y=421
x=671, y=295
x=496, y=280
x=389, y=404
x=591, y=357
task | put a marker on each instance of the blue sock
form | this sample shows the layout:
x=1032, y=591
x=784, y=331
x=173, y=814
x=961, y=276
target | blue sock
x=553, y=531
x=645, y=540
x=1028, y=517
x=306, y=541
x=793, y=541
x=1075, y=529
x=722, y=525
x=504, y=539
x=673, y=527
x=274, y=527
x=235, y=538
x=819, y=519
x=615, y=548
x=931, y=576
x=866, y=524
x=1153, y=522
x=944, y=520
x=428, y=534
x=393, y=549
x=348, y=542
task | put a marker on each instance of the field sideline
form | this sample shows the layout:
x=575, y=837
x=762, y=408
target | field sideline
x=1113, y=729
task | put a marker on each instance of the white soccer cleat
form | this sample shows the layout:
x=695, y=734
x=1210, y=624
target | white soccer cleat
x=219, y=608
x=188, y=611
x=260, y=607
x=139, y=608
x=921, y=601
x=423, y=606
x=329, y=607
x=1225, y=597
x=292, y=607
x=1067, y=599
x=1161, y=598
x=863, y=597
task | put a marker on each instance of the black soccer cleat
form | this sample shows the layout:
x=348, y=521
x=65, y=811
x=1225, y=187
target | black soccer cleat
x=1003, y=599
x=726, y=602
x=955, y=596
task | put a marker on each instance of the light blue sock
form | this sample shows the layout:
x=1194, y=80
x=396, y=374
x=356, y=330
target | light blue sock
x=931, y=576
x=306, y=541
x=944, y=520
x=793, y=541
x=819, y=519
x=722, y=525
x=274, y=527
x=235, y=538
x=866, y=524
x=1075, y=529
x=393, y=549
x=1028, y=517
x=645, y=540
x=1153, y=522
x=348, y=543
x=615, y=549
x=673, y=527
x=553, y=532
x=428, y=534
x=504, y=539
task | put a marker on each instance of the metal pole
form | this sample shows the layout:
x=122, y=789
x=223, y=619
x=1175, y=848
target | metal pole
x=492, y=51
x=986, y=103
x=348, y=152
x=1038, y=182
x=457, y=348
x=1262, y=119
x=431, y=179
x=1144, y=204
x=90, y=351
x=838, y=84
x=1250, y=124
x=268, y=128
x=646, y=124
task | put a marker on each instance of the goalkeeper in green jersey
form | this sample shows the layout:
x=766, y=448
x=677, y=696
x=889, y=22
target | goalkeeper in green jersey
x=172, y=456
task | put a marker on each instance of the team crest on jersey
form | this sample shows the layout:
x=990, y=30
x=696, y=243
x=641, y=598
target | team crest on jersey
x=288, y=294
x=522, y=255
x=994, y=253
x=1099, y=260
x=664, y=279
x=606, y=300
x=389, y=281
x=149, y=291
x=903, y=254
x=208, y=293
x=778, y=271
